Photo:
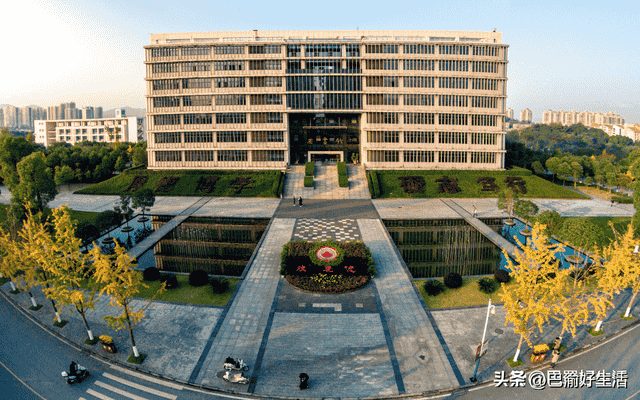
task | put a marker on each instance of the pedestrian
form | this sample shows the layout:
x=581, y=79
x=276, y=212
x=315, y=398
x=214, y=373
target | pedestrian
x=475, y=212
x=611, y=202
x=304, y=381
x=300, y=201
x=294, y=200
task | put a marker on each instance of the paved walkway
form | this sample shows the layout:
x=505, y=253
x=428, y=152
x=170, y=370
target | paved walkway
x=326, y=183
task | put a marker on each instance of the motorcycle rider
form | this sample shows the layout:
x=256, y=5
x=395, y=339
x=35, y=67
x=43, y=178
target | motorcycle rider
x=73, y=369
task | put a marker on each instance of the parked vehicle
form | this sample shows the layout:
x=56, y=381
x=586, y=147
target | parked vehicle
x=235, y=377
x=231, y=364
x=80, y=374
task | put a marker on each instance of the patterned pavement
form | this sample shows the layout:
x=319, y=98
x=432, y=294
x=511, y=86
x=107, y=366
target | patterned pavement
x=323, y=229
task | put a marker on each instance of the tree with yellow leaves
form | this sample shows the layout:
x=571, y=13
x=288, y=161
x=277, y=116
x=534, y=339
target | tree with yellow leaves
x=9, y=265
x=114, y=273
x=528, y=300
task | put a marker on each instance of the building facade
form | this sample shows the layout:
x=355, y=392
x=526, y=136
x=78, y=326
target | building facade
x=585, y=118
x=526, y=116
x=106, y=130
x=390, y=99
x=510, y=113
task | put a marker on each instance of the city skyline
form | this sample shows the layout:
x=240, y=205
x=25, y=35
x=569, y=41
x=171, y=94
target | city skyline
x=561, y=56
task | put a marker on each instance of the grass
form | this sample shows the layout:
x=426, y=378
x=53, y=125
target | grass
x=512, y=364
x=60, y=324
x=560, y=350
x=91, y=342
x=186, y=293
x=187, y=184
x=593, y=332
x=619, y=223
x=629, y=318
x=466, y=295
x=470, y=188
x=136, y=360
x=36, y=308
x=75, y=215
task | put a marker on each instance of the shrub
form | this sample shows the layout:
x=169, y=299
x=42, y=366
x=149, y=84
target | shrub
x=308, y=181
x=198, y=278
x=502, y=275
x=151, y=274
x=453, y=280
x=219, y=285
x=370, y=186
x=375, y=184
x=170, y=281
x=342, y=168
x=433, y=287
x=487, y=285
x=343, y=181
x=623, y=199
x=87, y=232
x=309, y=168
x=275, y=188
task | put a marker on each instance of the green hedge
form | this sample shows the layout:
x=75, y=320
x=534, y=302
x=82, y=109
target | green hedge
x=283, y=178
x=370, y=185
x=277, y=184
x=374, y=184
x=623, y=199
x=308, y=181
x=342, y=168
x=309, y=168
x=343, y=181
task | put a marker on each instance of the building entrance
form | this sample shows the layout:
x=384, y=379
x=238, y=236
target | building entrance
x=330, y=157
x=331, y=137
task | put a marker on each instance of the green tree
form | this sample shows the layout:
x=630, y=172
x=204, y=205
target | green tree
x=564, y=170
x=139, y=156
x=582, y=233
x=121, y=282
x=537, y=167
x=552, y=166
x=123, y=207
x=12, y=150
x=36, y=185
x=551, y=220
x=121, y=164
x=143, y=199
x=576, y=172
x=507, y=198
x=525, y=209
x=63, y=175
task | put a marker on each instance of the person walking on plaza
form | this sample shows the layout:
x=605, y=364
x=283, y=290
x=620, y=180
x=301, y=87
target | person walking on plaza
x=294, y=200
x=475, y=211
x=300, y=201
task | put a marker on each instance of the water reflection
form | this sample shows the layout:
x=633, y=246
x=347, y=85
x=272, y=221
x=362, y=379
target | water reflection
x=220, y=246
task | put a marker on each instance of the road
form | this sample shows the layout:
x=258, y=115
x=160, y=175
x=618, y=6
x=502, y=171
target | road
x=32, y=360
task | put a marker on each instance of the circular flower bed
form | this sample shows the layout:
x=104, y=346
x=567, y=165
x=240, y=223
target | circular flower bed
x=323, y=283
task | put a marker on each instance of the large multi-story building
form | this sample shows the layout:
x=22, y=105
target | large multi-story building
x=104, y=130
x=585, y=118
x=526, y=116
x=391, y=99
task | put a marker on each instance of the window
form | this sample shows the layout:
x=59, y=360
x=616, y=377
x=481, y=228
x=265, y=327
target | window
x=231, y=100
x=484, y=84
x=231, y=118
x=418, y=99
x=267, y=136
x=199, y=155
x=484, y=66
x=382, y=81
x=481, y=157
x=419, y=49
x=198, y=137
x=162, y=156
x=419, y=81
x=453, y=83
x=265, y=49
x=229, y=82
x=233, y=49
x=265, y=99
x=418, y=156
x=452, y=137
x=418, y=65
x=265, y=81
x=196, y=51
x=383, y=155
x=491, y=51
x=453, y=65
x=194, y=66
x=231, y=137
x=228, y=65
x=325, y=83
x=164, y=52
x=484, y=102
x=198, y=119
x=483, y=138
x=338, y=101
x=167, y=119
x=383, y=136
x=453, y=49
x=293, y=50
x=196, y=101
x=266, y=118
x=483, y=120
x=352, y=50
x=382, y=99
x=382, y=64
x=163, y=68
x=166, y=84
x=323, y=50
x=418, y=137
x=452, y=100
x=453, y=119
x=196, y=83
x=459, y=157
x=265, y=65
x=167, y=137
x=419, y=118
x=382, y=118
x=232, y=155
x=268, y=155
x=381, y=48
x=166, y=102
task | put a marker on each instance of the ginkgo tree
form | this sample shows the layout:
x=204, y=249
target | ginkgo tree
x=9, y=265
x=117, y=278
x=529, y=298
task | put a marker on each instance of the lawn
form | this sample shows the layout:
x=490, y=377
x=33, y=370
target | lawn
x=537, y=187
x=75, y=215
x=228, y=183
x=186, y=293
x=466, y=295
x=620, y=224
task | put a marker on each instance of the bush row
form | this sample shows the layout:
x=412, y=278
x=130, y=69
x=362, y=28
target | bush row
x=308, y=181
x=278, y=185
x=623, y=199
x=342, y=168
x=374, y=186
x=309, y=168
x=452, y=280
x=343, y=181
x=197, y=278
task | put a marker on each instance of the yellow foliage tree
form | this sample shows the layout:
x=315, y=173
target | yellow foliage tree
x=117, y=279
x=529, y=299
x=9, y=263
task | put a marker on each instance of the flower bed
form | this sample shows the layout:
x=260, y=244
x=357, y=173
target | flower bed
x=327, y=267
x=136, y=183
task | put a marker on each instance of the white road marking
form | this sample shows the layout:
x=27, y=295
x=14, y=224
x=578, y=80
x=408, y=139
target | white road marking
x=119, y=391
x=148, y=378
x=335, y=306
x=140, y=387
x=99, y=395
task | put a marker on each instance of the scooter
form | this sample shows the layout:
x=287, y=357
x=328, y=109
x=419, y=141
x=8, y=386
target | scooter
x=231, y=364
x=81, y=374
x=235, y=378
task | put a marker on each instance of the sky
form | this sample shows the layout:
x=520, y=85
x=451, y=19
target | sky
x=563, y=55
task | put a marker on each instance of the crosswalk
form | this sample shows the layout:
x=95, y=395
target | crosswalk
x=125, y=384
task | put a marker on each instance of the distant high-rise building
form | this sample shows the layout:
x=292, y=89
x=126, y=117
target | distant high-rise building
x=98, y=112
x=585, y=117
x=526, y=116
x=510, y=113
x=74, y=131
x=120, y=112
